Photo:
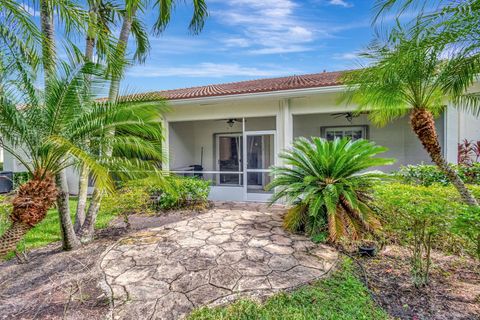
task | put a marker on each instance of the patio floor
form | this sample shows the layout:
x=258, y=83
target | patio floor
x=209, y=259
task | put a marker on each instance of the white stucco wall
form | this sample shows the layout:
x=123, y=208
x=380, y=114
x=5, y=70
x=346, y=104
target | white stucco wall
x=469, y=126
x=397, y=136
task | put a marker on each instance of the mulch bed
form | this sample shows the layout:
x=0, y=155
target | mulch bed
x=65, y=285
x=453, y=292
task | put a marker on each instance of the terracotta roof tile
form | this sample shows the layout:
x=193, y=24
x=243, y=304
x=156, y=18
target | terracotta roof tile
x=316, y=80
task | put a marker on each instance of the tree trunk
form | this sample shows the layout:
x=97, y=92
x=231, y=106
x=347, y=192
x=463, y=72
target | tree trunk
x=30, y=206
x=88, y=229
x=423, y=124
x=48, y=40
x=11, y=237
x=84, y=171
x=82, y=198
x=49, y=65
x=69, y=238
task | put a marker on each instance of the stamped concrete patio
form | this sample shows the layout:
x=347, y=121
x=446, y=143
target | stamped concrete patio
x=209, y=259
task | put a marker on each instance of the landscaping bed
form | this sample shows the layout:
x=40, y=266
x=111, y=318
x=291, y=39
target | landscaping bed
x=453, y=292
x=55, y=284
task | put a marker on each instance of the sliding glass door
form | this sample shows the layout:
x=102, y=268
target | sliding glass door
x=260, y=155
x=229, y=159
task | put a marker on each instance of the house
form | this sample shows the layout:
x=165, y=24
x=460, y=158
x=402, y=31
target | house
x=232, y=133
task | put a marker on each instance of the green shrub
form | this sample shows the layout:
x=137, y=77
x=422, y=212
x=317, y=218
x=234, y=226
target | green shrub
x=423, y=218
x=127, y=200
x=186, y=192
x=428, y=174
x=151, y=194
x=327, y=186
x=467, y=224
x=5, y=209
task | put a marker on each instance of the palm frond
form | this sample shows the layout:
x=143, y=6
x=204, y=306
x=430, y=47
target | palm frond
x=328, y=179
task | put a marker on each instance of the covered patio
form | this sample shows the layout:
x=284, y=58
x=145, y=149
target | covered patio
x=235, y=154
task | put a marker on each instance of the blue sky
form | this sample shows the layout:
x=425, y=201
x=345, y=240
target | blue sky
x=250, y=39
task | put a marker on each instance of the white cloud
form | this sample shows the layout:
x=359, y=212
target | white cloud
x=237, y=42
x=341, y=3
x=178, y=45
x=207, y=69
x=347, y=56
x=265, y=27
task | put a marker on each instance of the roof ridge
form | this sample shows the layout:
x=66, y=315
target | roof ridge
x=251, y=80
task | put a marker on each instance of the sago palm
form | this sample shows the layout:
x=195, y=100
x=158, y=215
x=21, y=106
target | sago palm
x=327, y=185
x=55, y=129
x=408, y=75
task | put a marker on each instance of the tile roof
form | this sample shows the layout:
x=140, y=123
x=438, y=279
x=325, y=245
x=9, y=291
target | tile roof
x=316, y=80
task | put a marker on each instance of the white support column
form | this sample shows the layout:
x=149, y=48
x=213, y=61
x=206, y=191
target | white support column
x=451, y=133
x=284, y=126
x=166, y=145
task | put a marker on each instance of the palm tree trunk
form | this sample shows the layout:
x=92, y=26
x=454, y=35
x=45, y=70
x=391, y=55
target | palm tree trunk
x=48, y=40
x=11, y=237
x=30, y=206
x=69, y=238
x=88, y=228
x=49, y=65
x=84, y=171
x=423, y=124
x=82, y=198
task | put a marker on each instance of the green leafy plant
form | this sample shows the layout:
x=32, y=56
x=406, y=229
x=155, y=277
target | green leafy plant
x=153, y=194
x=427, y=174
x=5, y=208
x=467, y=224
x=187, y=193
x=327, y=185
x=421, y=218
x=126, y=201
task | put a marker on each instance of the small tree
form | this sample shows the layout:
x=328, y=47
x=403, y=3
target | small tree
x=418, y=215
x=49, y=133
x=408, y=75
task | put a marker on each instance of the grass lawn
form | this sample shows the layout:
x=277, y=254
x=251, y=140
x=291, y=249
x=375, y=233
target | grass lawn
x=339, y=297
x=48, y=230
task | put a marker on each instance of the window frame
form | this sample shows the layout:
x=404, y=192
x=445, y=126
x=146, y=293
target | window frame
x=365, y=128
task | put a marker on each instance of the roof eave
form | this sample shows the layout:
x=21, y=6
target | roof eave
x=291, y=93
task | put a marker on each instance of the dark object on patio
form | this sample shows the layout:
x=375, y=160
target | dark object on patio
x=6, y=181
x=197, y=167
x=367, y=250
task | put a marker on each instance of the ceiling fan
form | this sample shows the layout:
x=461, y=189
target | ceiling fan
x=348, y=115
x=231, y=121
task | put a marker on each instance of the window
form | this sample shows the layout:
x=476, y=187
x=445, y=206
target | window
x=352, y=132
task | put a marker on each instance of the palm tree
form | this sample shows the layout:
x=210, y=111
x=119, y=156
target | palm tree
x=450, y=22
x=129, y=24
x=327, y=186
x=52, y=128
x=103, y=15
x=408, y=75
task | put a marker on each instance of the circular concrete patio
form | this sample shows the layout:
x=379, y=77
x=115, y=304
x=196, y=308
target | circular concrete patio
x=209, y=259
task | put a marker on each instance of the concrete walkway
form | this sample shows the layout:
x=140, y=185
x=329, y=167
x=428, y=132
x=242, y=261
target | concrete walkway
x=209, y=259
